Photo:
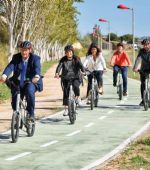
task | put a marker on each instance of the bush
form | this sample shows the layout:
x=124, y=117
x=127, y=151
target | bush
x=3, y=56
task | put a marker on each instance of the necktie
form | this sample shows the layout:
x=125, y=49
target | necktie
x=23, y=73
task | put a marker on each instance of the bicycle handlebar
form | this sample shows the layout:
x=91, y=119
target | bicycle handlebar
x=10, y=83
x=144, y=71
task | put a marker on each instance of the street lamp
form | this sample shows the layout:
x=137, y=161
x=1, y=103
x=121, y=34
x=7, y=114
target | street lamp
x=96, y=33
x=104, y=20
x=124, y=7
x=94, y=28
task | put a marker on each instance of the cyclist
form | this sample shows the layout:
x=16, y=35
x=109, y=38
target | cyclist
x=120, y=61
x=70, y=65
x=143, y=63
x=25, y=66
x=95, y=63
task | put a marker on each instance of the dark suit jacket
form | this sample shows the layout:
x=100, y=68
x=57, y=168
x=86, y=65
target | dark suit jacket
x=33, y=68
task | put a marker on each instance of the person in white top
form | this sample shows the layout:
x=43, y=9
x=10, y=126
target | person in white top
x=95, y=62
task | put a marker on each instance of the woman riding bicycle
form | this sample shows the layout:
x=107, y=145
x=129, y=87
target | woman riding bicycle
x=120, y=61
x=71, y=67
x=142, y=64
x=95, y=63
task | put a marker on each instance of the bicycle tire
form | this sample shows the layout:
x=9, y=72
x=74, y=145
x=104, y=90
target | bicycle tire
x=149, y=99
x=120, y=91
x=71, y=111
x=92, y=99
x=96, y=99
x=30, y=127
x=15, y=127
x=145, y=100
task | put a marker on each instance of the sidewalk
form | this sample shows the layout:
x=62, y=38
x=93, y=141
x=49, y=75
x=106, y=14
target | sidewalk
x=48, y=102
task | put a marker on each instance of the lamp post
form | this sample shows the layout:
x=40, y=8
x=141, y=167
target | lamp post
x=124, y=7
x=94, y=29
x=97, y=34
x=104, y=20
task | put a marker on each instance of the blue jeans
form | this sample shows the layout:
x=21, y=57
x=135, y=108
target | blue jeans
x=124, y=73
x=29, y=92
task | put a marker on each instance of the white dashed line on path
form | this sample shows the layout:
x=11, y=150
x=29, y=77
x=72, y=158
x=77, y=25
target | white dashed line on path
x=18, y=156
x=49, y=143
x=122, y=102
x=102, y=117
x=110, y=112
x=73, y=133
x=89, y=125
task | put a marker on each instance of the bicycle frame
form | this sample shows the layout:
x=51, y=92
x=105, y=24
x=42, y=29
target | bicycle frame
x=94, y=90
x=71, y=103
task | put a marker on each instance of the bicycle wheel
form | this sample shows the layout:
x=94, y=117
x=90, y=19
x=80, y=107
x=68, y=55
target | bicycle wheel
x=92, y=99
x=96, y=99
x=145, y=100
x=72, y=111
x=15, y=127
x=120, y=91
x=30, y=127
x=149, y=99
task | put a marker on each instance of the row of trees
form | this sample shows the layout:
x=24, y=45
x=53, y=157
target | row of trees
x=127, y=37
x=49, y=24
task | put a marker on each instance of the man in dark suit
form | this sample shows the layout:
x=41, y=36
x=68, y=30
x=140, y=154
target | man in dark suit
x=25, y=66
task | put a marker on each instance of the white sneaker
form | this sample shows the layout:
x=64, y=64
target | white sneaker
x=79, y=102
x=88, y=101
x=65, y=113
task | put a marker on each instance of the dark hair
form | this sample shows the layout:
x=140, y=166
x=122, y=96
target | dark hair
x=120, y=45
x=93, y=45
x=69, y=48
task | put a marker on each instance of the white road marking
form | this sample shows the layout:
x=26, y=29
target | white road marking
x=49, y=143
x=18, y=156
x=51, y=116
x=110, y=112
x=125, y=99
x=89, y=125
x=102, y=117
x=122, y=102
x=117, y=106
x=73, y=133
x=117, y=150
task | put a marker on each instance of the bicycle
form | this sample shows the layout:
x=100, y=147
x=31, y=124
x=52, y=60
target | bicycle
x=146, y=95
x=72, y=106
x=20, y=116
x=119, y=85
x=93, y=93
x=71, y=103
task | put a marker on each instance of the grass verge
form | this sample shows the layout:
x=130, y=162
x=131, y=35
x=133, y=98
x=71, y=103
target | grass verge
x=135, y=157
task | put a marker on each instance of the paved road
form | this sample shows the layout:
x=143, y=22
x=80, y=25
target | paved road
x=57, y=145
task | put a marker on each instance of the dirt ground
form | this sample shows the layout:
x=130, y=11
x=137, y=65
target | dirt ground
x=48, y=102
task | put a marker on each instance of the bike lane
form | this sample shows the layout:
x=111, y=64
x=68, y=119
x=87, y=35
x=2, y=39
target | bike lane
x=59, y=145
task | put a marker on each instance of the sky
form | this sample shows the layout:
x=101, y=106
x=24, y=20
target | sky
x=120, y=20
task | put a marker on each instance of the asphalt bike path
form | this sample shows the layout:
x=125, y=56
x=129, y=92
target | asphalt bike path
x=59, y=145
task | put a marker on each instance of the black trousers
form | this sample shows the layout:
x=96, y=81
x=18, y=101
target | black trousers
x=75, y=84
x=142, y=78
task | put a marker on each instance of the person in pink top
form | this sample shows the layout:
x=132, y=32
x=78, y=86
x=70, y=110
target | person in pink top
x=120, y=61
